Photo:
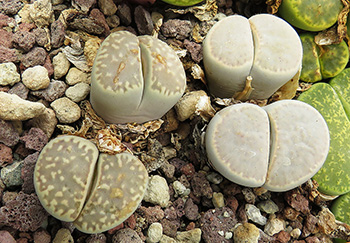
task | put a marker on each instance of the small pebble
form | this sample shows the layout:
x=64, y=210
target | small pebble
x=246, y=233
x=218, y=200
x=34, y=139
x=201, y=186
x=24, y=40
x=11, y=7
x=6, y=237
x=249, y=195
x=66, y=110
x=57, y=33
x=254, y=214
x=113, y=21
x=8, y=134
x=20, y=89
x=157, y=191
x=75, y=76
x=167, y=239
x=143, y=20
x=107, y=7
x=41, y=37
x=191, y=210
x=6, y=38
x=5, y=155
x=83, y=5
x=180, y=189
x=36, y=56
x=46, y=122
x=13, y=107
x=55, y=90
x=41, y=13
x=60, y=65
x=9, y=74
x=176, y=28
x=268, y=206
x=63, y=235
x=295, y=233
x=78, y=92
x=36, y=78
x=11, y=174
x=126, y=235
x=124, y=13
x=154, y=233
x=41, y=236
x=214, y=178
x=274, y=226
x=27, y=172
x=193, y=236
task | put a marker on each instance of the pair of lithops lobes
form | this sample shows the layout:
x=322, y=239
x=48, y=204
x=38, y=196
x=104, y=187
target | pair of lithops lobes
x=95, y=191
x=264, y=47
x=135, y=78
x=279, y=146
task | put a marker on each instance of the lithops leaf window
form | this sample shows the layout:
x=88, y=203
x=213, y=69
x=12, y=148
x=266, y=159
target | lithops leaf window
x=135, y=79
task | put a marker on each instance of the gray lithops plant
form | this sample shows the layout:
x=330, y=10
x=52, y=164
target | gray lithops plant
x=95, y=192
x=278, y=147
x=135, y=79
x=264, y=48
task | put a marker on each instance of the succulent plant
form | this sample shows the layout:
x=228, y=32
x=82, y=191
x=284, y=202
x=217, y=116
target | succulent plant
x=279, y=146
x=264, y=47
x=340, y=208
x=183, y=3
x=135, y=79
x=334, y=177
x=95, y=192
x=322, y=62
x=309, y=14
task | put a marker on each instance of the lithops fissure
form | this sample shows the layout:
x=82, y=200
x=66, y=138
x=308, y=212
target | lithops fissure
x=278, y=147
x=135, y=79
x=264, y=47
x=95, y=192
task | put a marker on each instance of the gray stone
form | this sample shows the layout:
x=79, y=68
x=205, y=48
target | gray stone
x=78, y=92
x=75, y=76
x=268, y=206
x=254, y=214
x=11, y=174
x=54, y=91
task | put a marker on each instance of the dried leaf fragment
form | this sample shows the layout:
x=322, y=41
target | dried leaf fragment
x=273, y=5
x=204, y=12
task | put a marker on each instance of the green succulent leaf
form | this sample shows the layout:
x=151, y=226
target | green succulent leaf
x=334, y=177
x=183, y=3
x=311, y=70
x=333, y=59
x=340, y=208
x=311, y=15
x=341, y=85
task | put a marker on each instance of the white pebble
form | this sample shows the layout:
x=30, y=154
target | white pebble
x=75, y=76
x=66, y=110
x=274, y=226
x=36, y=78
x=9, y=74
x=254, y=214
x=154, y=233
x=78, y=92
x=180, y=189
x=157, y=191
x=12, y=107
x=60, y=65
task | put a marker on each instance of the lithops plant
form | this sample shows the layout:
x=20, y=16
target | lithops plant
x=278, y=147
x=95, y=192
x=311, y=15
x=263, y=47
x=340, y=208
x=322, y=62
x=135, y=79
x=334, y=177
